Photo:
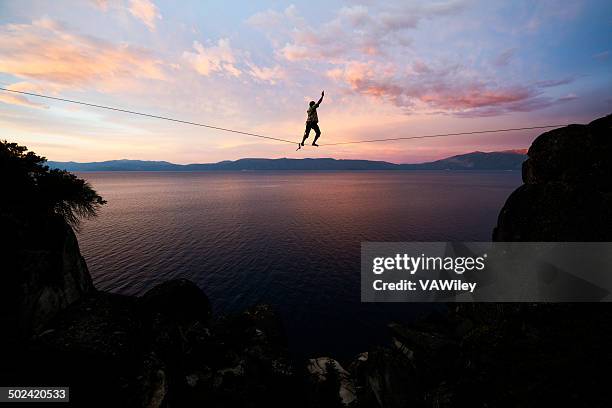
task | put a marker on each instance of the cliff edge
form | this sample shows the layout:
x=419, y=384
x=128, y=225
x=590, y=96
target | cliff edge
x=158, y=350
x=43, y=273
x=567, y=190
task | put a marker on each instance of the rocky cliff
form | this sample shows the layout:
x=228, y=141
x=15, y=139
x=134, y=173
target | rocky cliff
x=43, y=272
x=163, y=349
x=567, y=195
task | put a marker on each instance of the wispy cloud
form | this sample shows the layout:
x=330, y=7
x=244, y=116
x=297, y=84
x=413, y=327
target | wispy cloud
x=369, y=50
x=446, y=88
x=145, y=11
x=504, y=58
x=271, y=75
x=17, y=99
x=215, y=58
x=604, y=55
x=47, y=51
x=354, y=29
x=549, y=83
x=546, y=11
x=221, y=58
x=101, y=4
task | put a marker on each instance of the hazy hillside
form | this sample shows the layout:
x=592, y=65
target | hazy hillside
x=508, y=160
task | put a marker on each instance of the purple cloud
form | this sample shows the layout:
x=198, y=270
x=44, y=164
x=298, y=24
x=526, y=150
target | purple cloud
x=449, y=88
x=504, y=58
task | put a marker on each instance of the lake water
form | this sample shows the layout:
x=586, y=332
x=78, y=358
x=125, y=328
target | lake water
x=290, y=239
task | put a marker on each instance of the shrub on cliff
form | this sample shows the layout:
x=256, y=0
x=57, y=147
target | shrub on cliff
x=29, y=188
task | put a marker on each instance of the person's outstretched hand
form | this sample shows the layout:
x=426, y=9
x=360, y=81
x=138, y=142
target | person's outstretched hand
x=322, y=93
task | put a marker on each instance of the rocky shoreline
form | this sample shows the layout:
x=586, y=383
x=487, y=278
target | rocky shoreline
x=167, y=349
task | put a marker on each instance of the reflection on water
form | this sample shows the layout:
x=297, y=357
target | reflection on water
x=291, y=239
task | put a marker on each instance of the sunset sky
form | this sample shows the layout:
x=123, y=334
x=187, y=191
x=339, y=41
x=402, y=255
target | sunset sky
x=388, y=69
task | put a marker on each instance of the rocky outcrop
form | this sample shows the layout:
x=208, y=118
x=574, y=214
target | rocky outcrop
x=159, y=350
x=330, y=384
x=567, y=195
x=43, y=272
x=497, y=355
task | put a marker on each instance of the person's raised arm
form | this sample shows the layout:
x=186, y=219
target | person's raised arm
x=321, y=98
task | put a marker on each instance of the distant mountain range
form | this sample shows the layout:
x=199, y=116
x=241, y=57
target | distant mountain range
x=506, y=160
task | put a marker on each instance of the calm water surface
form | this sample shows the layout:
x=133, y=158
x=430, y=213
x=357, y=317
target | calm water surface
x=290, y=239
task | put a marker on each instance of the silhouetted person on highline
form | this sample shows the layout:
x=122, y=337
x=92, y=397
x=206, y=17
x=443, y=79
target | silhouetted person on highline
x=312, y=122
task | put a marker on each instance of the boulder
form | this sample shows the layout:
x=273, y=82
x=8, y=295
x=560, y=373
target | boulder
x=178, y=300
x=390, y=380
x=145, y=355
x=91, y=345
x=151, y=387
x=555, y=211
x=567, y=195
x=330, y=384
x=430, y=351
x=248, y=361
x=574, y=154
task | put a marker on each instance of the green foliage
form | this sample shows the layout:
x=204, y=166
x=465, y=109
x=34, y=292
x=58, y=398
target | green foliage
x=30, y=188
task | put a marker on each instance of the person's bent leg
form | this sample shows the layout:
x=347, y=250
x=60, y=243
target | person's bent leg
x=306, y=133
x=317, y=134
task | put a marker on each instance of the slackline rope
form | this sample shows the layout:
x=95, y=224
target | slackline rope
x=276, y=138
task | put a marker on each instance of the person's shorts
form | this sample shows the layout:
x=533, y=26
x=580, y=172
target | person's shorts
x=312, y=125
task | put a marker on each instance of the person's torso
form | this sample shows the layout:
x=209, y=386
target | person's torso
x=312, y=115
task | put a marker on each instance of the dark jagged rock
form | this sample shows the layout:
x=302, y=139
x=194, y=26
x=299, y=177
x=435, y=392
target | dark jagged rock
x=102, y=324
x=151, y=387
x=329, y=384
x=575, y=154
x=160, y=350
x=179, y=300
x=567, y=195
x=92, y=345
x=175, y=317
x=501, y=355
x=390, y=380
x=43, y=272
x=142, y=356
x=251, y=366
x=526, y=354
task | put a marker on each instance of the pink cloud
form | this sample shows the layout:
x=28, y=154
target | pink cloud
x=504, y=58
x=222, y=58
x=267, y=74
x=358, y=28
x=269, y=18
x=219, y=58
x=17, y=99
x=101, y=4
x=145, y=11
x=436, y=90
x=367, y=49
x=47, y=51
